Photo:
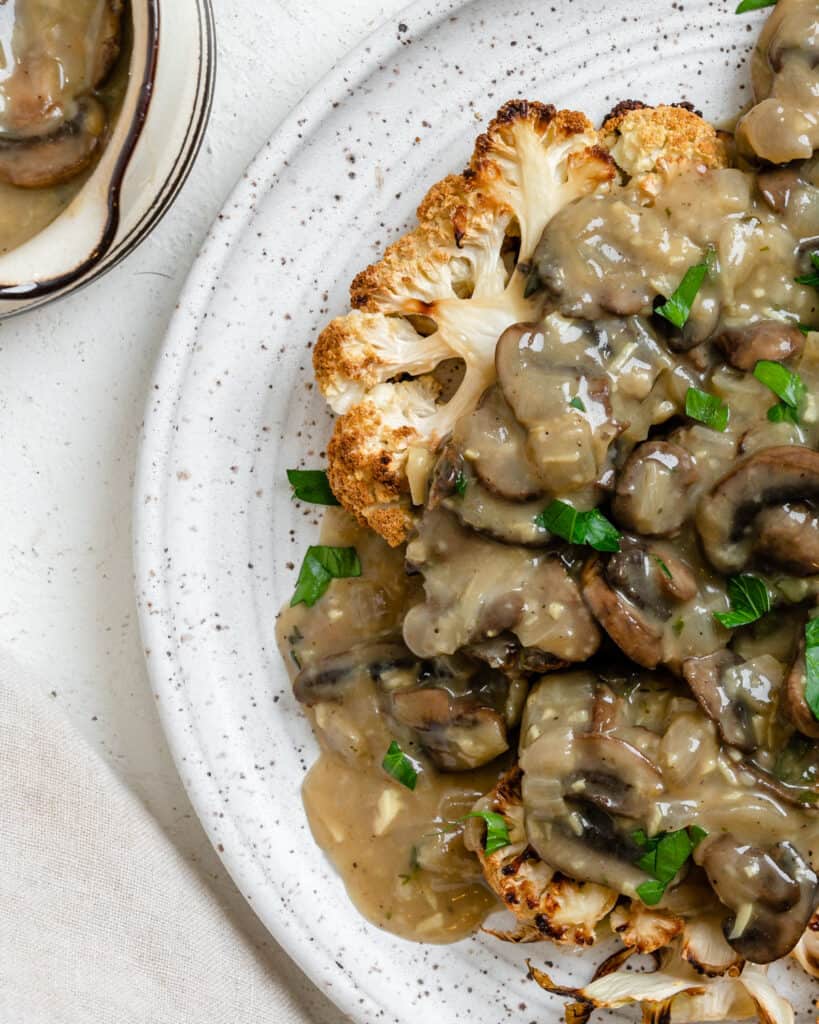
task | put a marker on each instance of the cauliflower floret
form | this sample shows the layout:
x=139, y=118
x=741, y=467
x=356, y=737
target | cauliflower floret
x=652, y=143
x=807, y=950
x=675, y=992
x=456, y=271
x=449, y=289
x=545, y=904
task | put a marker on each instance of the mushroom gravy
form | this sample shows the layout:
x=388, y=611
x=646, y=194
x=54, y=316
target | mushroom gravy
x=61, y=87
x=401, y=854
x=636, y=495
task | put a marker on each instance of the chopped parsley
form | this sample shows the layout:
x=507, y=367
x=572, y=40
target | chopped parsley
x=321, y=565
x=677, y=308
x=577, y=403
x=592, y=527
x=663, y=566
x=662, y=856
x=399, y=766
x=786, y=385
x=812, y=666
x=311, y=485
x=749, y=598
x=754, y=5
x=461, y=484
x=707, y=409
x=812, y=279
x=497, y=831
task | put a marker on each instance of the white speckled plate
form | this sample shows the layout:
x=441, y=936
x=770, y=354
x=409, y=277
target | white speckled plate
x=232, y=406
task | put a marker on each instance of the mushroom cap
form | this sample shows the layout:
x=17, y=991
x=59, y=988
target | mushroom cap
x=650, y=497
x=771, y=894
x=726, y=517
x=775, y=340
x=47, y=160
x=496, y=447
x=794, y=704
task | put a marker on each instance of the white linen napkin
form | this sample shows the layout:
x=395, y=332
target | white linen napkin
x=101, y=919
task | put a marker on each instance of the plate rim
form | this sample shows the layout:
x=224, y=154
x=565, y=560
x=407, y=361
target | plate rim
x=162, y=400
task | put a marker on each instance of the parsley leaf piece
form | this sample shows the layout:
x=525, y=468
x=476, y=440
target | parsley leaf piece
x=321, y=565
x=780, y=412
x=663, y=566
x=651, y=892
x=806, y=328
x=461, y=484
x=311, y=485
x=592, y=527
x=497, y=831
x=707, y=409
x=812, y=666
x=399, y=766
x=749, y=599
x=600, y=533
x=811, y=279
x=677, y=308
x=577, y=403
x=785, y=384
x=663, y=856
x=754, y=5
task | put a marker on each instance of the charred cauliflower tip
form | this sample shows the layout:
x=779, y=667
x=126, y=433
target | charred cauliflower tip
x=449, y=288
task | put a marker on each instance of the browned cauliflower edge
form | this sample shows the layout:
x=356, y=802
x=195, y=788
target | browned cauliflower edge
x=447, y=290
x=652, y=143
x=546, y=905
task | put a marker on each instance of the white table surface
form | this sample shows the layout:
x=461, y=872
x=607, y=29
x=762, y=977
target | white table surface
x=73, y=382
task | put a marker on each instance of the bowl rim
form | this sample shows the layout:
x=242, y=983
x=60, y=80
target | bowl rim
x=103, y=257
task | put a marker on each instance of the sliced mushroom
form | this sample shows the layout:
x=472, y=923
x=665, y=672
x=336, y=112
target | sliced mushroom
x=459, y=735
x=541, y=370
x=632, y=595
x=771, y=895
x=495, y=444
x=472, y=585
x=456, y=488
x=787, y=537
x=727, y=518
x=777, y=185
x=48, y=160
x=588, y=846
x=776, y=340
x=741, y=697
x=597, y=769
x=328, y=679
x=624, y=623
x=652, y=489
x=784, y=124
x=794, y=703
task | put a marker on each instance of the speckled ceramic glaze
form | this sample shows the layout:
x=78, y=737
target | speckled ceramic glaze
x=218, y=540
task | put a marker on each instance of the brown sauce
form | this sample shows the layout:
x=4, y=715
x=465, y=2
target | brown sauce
x=603, y=673
x=63, y=76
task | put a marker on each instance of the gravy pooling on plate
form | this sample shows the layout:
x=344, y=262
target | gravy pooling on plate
x=61, y=85
x=603, y=623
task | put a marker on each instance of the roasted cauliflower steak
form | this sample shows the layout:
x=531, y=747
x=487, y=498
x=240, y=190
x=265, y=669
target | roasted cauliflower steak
x=448, y=289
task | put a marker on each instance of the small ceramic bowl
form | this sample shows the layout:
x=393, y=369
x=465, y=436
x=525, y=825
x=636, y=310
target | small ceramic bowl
x=154, y=143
